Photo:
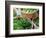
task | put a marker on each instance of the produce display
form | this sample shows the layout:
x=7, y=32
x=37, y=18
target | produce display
x=21, y=21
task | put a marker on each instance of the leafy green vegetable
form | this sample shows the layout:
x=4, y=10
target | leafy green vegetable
x=21, y=24
x=30, y=10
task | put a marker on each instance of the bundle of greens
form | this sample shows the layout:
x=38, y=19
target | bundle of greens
x=21, y=23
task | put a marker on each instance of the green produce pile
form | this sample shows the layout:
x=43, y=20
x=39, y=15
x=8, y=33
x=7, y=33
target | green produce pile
x=21, y=23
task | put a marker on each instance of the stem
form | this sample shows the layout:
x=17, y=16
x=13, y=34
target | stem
x=31, y=21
